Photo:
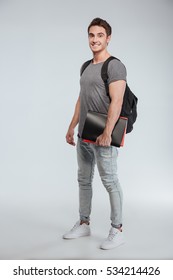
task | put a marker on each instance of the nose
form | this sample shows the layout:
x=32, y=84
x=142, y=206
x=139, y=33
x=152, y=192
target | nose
x=94, y=39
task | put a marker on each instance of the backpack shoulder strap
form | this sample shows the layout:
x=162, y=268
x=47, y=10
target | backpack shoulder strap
x=84, y=66
x=104, y=72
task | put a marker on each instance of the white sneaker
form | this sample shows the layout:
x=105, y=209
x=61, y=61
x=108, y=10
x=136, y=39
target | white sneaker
x=78, y=231
x=114, y=239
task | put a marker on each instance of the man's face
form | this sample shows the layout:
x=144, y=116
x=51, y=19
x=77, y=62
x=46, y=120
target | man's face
x=98, y=38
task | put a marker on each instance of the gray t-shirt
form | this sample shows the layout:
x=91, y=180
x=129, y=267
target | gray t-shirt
x=93, y=95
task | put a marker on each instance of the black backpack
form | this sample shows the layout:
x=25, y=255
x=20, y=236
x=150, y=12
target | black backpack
x=129, y=106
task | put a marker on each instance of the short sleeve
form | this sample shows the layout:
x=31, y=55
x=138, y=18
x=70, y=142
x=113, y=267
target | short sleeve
x=116, y=71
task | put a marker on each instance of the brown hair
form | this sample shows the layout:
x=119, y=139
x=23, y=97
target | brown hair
x=101, y=22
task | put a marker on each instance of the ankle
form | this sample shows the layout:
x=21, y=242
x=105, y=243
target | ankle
x=84, y=222
x=117, y=226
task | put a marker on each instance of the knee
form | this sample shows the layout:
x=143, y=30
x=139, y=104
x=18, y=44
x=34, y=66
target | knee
x=85, y=178
x=84, y=182
x=111, y=188
x=111, y=185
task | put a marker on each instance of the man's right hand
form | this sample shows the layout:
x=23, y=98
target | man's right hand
x=70, y=137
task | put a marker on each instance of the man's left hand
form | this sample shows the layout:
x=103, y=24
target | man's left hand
x=104, y=140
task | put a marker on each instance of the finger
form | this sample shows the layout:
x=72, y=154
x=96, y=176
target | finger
x=69, y=138
x=71, y=141
x=97, y=141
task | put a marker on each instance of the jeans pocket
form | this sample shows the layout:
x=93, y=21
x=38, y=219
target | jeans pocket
x=105, y=152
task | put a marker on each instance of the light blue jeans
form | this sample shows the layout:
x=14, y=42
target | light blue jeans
x=88, y=155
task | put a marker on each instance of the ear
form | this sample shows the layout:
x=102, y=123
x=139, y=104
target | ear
x=108, y=39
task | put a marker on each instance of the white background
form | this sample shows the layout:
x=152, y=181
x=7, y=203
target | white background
x=42, y=46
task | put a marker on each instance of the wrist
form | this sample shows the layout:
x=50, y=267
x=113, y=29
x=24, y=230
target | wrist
x=71, y=127
x=107, y=132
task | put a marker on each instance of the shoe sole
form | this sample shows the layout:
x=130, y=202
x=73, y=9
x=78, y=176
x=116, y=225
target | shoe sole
x=112, y=247
x=75, y=237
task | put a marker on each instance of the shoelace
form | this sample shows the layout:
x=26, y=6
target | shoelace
x=111, y=235
x=75, y=226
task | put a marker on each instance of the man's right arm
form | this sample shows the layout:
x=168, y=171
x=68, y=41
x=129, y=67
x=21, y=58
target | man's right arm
x=74, y=122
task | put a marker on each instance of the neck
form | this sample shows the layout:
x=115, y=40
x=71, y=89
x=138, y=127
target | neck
x=100, y=57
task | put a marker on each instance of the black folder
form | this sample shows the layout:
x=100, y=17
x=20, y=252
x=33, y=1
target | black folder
x=95, y=123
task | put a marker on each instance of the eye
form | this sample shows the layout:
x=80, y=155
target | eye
x=91, y=35
x=100, y=35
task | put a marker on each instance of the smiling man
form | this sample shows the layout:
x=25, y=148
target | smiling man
x=93, y=97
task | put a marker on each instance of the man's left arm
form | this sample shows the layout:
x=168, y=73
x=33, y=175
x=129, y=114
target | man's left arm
x=116, y=92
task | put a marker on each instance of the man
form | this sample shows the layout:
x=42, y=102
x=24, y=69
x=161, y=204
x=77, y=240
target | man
x=93, y=97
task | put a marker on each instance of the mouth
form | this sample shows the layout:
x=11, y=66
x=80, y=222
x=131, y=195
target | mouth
x=95, y=45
